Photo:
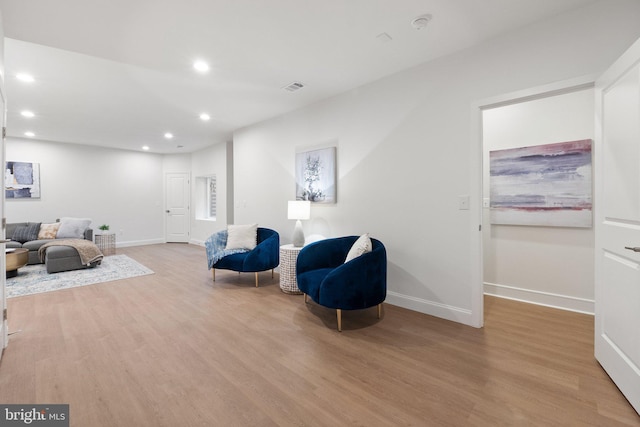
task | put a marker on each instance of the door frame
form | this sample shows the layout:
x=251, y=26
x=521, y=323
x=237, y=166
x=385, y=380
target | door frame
x=4, y=326
x=477, y=172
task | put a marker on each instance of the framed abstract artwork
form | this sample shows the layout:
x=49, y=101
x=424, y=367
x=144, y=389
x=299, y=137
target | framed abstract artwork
x=544, y=185
x=316, y=175
x=22, y=180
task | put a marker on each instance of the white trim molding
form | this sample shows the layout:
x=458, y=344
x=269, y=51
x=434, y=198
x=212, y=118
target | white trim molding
x=547, y=299
x=448, y=312
x=196, y=242
x=139, y=242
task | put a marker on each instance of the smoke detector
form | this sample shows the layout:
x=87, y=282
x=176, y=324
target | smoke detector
x=421, y=21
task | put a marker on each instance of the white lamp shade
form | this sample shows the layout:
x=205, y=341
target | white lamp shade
x=299, y=209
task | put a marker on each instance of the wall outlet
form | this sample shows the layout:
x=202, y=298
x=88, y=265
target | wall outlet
x=463, y=202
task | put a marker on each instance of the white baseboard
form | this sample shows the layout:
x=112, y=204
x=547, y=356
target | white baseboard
x=139, y=243
x=547, y=299
x=448, y=312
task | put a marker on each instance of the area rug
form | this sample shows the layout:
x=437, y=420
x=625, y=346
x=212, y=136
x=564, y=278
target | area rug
x=34, y=279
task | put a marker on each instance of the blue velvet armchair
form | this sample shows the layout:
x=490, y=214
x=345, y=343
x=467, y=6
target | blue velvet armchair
x=265, y=256
x=360, y=283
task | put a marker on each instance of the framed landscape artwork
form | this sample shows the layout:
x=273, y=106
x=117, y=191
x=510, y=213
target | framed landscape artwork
x=545, y=185
x=316, y=175
x=22, y=180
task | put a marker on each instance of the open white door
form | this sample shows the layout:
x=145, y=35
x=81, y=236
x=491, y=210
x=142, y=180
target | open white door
x=617, y=223
x=177, y=207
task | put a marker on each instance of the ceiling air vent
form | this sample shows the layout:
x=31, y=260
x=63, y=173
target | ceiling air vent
x=292, y=87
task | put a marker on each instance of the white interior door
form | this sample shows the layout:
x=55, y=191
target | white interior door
x=617, y=226
x=177, y=207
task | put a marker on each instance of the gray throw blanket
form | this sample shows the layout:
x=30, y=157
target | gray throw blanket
x=88, y=251
x=215, y=246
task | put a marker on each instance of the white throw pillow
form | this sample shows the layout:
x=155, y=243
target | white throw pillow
x=242, y=236
x=361, y=246
x=72, y=228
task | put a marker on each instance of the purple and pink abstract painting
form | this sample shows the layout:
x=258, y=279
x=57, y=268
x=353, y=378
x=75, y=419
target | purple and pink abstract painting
x=545, y=185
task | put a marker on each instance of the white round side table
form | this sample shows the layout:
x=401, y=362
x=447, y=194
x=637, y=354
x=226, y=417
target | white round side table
x=288, y=257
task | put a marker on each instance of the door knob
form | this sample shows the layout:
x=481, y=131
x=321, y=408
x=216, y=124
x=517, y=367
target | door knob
x=168, y=211
x=634, y=249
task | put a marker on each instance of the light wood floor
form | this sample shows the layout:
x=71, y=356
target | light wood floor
x=175, y=349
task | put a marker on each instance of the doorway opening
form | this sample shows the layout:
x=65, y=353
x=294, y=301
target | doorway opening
x=550, y=266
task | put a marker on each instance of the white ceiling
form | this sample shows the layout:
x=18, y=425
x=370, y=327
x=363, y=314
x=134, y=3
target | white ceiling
x=119, y=73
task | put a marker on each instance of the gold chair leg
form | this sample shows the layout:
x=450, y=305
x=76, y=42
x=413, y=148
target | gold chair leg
x=379, y=310
x=214, y=274
x=272, y=273
x=256, y=279
x=305, y=298
x=339, y=313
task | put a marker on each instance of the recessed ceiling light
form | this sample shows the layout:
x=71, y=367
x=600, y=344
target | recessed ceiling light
x=28, y=78
x=29, y=134
x=204, y=117
x=201, y=66
x=145, y=147
x=26, y=113
x=168, y=135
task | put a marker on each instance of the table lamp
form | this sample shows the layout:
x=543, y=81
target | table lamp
x=299, y=209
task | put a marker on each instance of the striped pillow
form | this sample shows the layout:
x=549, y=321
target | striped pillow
x=26, y=233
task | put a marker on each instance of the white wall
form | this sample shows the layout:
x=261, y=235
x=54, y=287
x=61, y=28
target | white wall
x=176, y=163
x=125, y=189
x=406, y=148
x=1, y=51
x=209, y=161
x=121, y=188
x=544, y=265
